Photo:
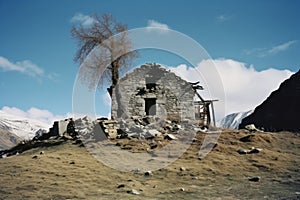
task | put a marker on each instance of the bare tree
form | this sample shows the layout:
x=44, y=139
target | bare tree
x=115, y=51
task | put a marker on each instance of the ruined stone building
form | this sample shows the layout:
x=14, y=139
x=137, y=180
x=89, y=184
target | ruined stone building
x=152, y=90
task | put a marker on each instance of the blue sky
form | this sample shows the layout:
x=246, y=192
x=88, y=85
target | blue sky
x=36, y=49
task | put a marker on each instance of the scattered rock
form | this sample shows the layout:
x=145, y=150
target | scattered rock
x=252, y=128
x=203, y=130
x=182, y=169
x=252, y=150
x=72, y=162
x=254, y=178
x=121, y=186
x=242, y=151
x=148, y=173
x=248, y=138
x=42, y=153
x=182, y=189
x=133, y=191
x=34, y=157
x=170, y=137
x=154, y=132
x=153, y=146
x=255, y=150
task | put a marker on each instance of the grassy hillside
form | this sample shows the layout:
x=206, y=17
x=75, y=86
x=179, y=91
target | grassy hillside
x=68, y=171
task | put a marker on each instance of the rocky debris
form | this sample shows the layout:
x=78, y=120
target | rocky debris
x=133, y=191
x=255, y=150
x=252, y=128
x=170, y=137
x=42, y=153
x=154, y=132
x=254, y=178
x=250, y=151
x=85, y=130
x=34, y=157
x=182, y=169
x=242, y=151
x=182, y=189
x=110, y=127
x=199, y=129
x=121, y=186
x=148, y=173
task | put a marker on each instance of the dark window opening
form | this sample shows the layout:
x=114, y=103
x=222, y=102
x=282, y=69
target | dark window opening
x=150, y=83
x=150, y=106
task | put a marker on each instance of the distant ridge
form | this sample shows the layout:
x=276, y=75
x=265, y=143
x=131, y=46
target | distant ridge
x=281, y=110
x=232, y=121
x=8, y=139
x=23, y=127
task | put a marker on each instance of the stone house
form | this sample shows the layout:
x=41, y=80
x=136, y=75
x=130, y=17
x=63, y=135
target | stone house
x=152, y=90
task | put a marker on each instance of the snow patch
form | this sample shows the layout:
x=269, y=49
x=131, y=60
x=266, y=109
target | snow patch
x=233, y=120
x=21, y=126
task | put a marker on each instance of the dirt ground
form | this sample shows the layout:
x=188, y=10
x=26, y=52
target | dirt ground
x=69, y=171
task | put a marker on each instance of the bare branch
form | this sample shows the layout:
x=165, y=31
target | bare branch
x=100, y=33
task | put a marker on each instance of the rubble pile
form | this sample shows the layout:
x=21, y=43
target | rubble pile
x=134, y=127
x=147, y=127
x=110, y=127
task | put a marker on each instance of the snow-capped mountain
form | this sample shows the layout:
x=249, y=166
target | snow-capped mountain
x=25, y=128
x=233, y=120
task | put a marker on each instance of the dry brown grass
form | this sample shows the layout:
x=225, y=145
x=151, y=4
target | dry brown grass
x=68, y=171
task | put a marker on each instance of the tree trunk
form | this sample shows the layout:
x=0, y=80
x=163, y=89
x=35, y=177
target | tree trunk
x=114, y=89
x=115, y=72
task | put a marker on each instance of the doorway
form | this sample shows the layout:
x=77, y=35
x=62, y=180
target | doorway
x=150, y=106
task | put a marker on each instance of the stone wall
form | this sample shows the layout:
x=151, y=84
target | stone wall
x=173, y=97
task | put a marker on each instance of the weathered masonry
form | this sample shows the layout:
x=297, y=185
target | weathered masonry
x=152, y=90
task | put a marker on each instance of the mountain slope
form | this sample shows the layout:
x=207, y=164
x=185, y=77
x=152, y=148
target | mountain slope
x=280, y=111
x=233, y=120
x=25, y=128
x=8, y=139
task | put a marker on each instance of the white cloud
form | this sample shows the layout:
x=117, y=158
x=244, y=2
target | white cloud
x=34, y=113
x=157, y=26
x=262, y=52
x=25, y=67
x=282, y=47
x=223, y=18
x=85, y=20
x=244, y=87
